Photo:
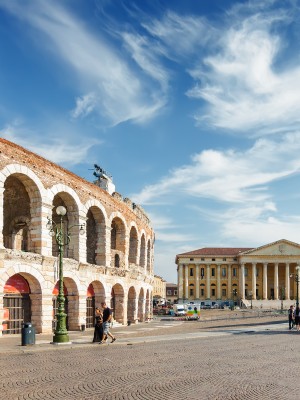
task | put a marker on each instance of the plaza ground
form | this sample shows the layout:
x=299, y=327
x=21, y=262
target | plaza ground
x=229, y=355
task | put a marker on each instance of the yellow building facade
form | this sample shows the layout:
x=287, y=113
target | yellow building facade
x=259, y=274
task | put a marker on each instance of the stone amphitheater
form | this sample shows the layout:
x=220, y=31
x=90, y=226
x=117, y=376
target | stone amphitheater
x=112, y=261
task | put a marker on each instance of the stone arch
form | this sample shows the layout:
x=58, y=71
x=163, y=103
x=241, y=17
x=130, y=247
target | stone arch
x=22, y=214
x=133, y=246
x=96, y=241
x=70, y=224
x=142, y=251
x=131, y=304
x=141, y=306
x=117, y=302
x=34, y=313
x=118, y=240
x=72, y=299
x=148, y=256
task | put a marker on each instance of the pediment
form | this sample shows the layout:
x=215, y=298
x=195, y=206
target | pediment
x=282, y=247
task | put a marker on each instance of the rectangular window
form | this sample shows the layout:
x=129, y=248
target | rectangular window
x=224, y=259
x=191, y=292
x=234, y=272
x=175, y=292
x=256, y=271
x=202, y=259
x=202, y=292
x=223, y=292
x=213, y=292
x=213, y=272
x=202, y=273
x=234, y=292
x=223, y=272
x=213, y=259
x=191, y=271
x=191, y=259
x=246, y=271
x=169, y=292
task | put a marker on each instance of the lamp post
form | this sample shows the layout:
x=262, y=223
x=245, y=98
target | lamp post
x=297, y=280
x=62, y=239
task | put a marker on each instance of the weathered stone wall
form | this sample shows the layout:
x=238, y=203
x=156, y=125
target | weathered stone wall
x=30, y=190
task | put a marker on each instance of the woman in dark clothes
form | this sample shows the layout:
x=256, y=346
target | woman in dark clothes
x=98, y=332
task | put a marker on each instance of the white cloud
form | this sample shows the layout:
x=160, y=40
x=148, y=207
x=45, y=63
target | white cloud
x=84, y=105
x=230, y=176
x=121, y=91
x=58, y=149
x=242, y=82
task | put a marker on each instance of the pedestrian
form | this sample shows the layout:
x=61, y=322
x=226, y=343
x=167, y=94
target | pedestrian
x=98, y=331
x=297, y=318
x=291, y=317
x=107, y=318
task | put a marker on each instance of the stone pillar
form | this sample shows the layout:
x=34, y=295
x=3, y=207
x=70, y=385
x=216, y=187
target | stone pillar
x=229, y=272
x=287, y=282
x=197, y=282
x=186, y=281
x=276, y=281
x=265, y=281
x=82, y=240
x=180, y=282
x=218, y=282
x=253, y=281
x=242, y=281
x=208, y=282
x=1, y=214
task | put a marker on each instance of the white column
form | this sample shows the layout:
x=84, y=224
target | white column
x=180, y=281
x=229, y=293
x=276, y=281
x=197, y=281
x=208, y=281
x=287, y=282
x=265, y=281
x=253, y=281
x=242, y=281
x=219, y=282
x=186, y=281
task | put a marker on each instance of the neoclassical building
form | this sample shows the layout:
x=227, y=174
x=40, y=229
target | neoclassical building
x=112, y=261
x=240, y=274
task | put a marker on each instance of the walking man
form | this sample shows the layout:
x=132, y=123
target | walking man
x=291, y=317
x=107, y=317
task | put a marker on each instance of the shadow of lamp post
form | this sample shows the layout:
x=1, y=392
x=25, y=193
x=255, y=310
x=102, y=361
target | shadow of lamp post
x=62, y=239
x=297, y=280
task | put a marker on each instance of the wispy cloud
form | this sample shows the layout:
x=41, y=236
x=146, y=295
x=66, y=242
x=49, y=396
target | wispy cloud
x=120, y=92
x=59, y=149
x=230, y=176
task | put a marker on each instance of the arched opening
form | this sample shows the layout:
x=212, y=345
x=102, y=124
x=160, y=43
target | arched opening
x=21, y=214
x=90, y=306
x=22, y=303
x=16, y=303
x=117, y=302
x=95, y=236
x=148, y=256
x=141, y=312
x=133, y=246
x=143, y=251
x=131, y=305
x=117, y=261
x=118, y=241
x=70, y=225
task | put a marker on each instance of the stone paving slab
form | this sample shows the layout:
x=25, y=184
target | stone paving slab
x=248, y=361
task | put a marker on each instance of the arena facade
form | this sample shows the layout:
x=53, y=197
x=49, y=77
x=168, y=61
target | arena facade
x=112, y=261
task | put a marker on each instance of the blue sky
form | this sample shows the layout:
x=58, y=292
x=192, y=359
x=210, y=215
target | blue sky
x=193, y=106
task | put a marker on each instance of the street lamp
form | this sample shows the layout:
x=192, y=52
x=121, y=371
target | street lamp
x=297, y=280
x=62, y=240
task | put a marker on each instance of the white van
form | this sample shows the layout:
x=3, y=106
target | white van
x=179, y=309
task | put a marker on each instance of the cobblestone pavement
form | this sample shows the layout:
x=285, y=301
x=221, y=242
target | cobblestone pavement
x=213, y=360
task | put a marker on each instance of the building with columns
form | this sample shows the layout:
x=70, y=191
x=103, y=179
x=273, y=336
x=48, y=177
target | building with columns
x=112, y=261
x=240, y=274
